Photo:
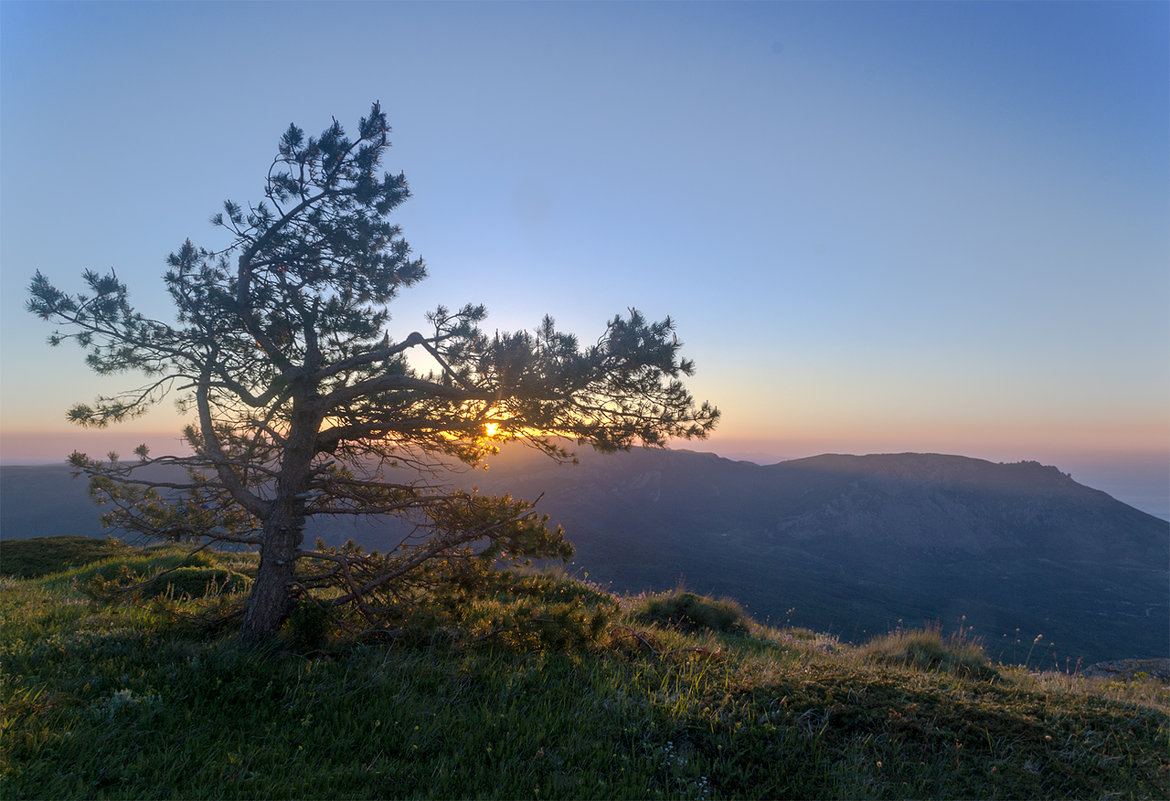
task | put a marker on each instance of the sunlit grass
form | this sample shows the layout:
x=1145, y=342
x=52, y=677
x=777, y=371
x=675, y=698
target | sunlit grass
x=126, y=700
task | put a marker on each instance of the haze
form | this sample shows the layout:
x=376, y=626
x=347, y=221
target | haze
x=880, y=227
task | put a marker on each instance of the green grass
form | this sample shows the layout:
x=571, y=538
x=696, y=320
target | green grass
x=38, y=557
x=125, y=699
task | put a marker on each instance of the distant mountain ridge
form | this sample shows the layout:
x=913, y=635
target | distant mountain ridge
x=854, y=545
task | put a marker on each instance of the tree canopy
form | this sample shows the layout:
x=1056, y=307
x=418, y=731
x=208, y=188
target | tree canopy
x=300, y=398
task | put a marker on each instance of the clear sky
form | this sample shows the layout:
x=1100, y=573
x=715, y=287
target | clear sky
x=880, y=227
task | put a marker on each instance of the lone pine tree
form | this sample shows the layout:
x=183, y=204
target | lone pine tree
x=301, y=398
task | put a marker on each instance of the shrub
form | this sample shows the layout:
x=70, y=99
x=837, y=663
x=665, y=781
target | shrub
x=196, y=582
x=160, y=573
x=308, y=624
x=553, y=586
x=538, y=625
x=691, y=612
x=534, y=612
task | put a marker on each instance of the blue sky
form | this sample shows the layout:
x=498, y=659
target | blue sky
x=879, y=227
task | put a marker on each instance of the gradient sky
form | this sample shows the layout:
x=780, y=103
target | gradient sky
x=880, y=227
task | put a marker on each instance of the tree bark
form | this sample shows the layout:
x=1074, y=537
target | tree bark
x=270, y=601
x=284, y=528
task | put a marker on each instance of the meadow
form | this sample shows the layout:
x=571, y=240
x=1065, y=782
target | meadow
x=553, y=688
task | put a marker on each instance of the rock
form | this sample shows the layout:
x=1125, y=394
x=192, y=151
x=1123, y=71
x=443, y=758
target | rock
x=1131, y=669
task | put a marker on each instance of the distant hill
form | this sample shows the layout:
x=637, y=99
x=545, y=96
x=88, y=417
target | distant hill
x=45, y=501
x=853, y=545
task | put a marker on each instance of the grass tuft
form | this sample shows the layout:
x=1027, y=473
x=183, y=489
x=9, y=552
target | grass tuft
x=690, y=612
x=926, y=649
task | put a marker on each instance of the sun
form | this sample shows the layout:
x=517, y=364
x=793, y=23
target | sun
x=490, y=430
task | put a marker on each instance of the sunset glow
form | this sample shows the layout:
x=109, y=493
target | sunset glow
x=878, y=226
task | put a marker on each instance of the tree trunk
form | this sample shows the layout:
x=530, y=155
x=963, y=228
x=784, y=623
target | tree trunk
x=270, y=603
x=284, y=528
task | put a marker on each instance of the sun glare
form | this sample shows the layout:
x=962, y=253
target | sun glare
x=490, y=430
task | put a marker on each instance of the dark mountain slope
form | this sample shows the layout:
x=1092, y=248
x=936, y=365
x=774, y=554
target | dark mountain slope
x=44, y=501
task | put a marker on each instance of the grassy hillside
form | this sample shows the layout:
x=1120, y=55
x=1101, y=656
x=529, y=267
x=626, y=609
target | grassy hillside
x=674, y=696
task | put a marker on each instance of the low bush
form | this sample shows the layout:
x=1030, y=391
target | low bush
x=203, y=587
x=195, y=582
x=309, y=625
